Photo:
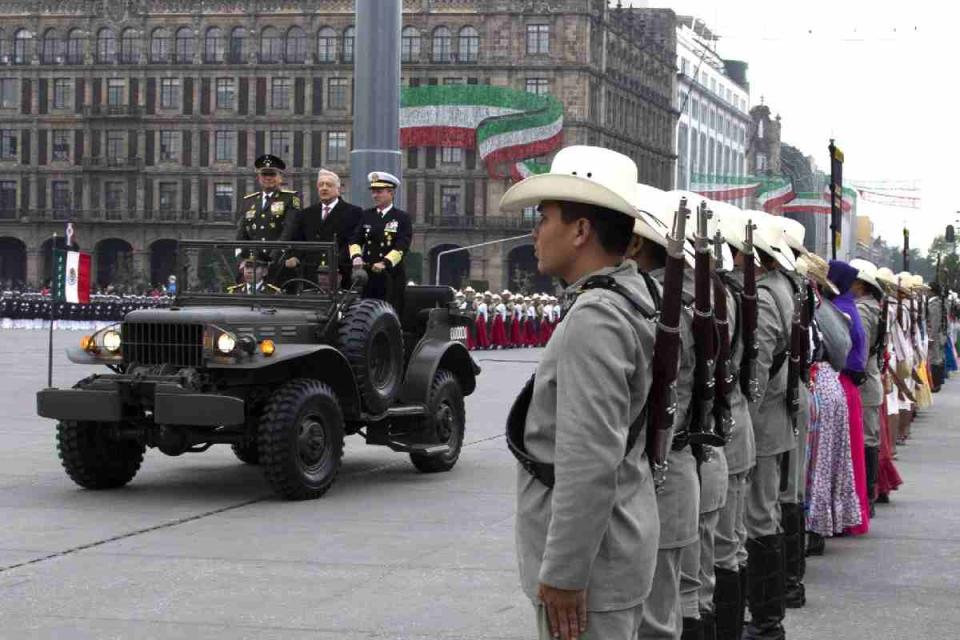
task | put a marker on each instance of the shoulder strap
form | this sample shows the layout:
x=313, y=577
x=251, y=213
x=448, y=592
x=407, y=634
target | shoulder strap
x=608, y=283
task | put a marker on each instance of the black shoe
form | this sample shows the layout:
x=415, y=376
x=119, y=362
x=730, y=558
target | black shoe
x=709, y=625
x=883, y=498
x=795, y=595
x=692, y=629
x=816, y=544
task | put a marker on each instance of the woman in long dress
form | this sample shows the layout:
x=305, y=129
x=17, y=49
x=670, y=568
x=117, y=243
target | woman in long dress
x=843, y=275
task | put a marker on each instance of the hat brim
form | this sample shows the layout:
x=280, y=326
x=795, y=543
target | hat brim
x=871, y=280
x=274, y=169
x=382, y=185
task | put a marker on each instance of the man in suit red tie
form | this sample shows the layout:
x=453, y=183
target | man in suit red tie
x=331, y=219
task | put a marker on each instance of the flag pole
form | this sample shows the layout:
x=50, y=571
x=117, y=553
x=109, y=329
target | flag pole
x=53, y=251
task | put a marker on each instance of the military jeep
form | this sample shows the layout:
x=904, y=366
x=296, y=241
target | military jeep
x=280, y=363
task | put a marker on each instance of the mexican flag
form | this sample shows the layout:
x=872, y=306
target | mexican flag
x=71, y=275
x=505, y=126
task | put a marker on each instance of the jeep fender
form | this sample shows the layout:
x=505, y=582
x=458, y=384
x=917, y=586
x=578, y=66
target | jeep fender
x=431, y=355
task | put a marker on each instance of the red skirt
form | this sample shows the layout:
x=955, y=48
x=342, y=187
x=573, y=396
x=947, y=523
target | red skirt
x=516, y=338
x=498, y=333
x=888, y=478
x=483, y=341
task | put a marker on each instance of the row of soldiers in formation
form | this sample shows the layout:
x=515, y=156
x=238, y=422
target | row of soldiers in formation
x=35, y=310
x=508, y=320
x=664, y=480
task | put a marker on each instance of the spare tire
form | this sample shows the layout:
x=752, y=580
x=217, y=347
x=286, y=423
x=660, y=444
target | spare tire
x=372, y=341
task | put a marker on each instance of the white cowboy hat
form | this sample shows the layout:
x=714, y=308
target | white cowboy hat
x=794, y=233
x=867, y=271
x=589, y=175
x=769, y=238
x=812, y=266
x=732, y=223
x=660, y=208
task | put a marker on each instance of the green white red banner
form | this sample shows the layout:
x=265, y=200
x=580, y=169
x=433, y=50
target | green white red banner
x=71, y=280
x=505, y=126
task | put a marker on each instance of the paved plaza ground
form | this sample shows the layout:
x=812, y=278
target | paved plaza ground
x=197, y=546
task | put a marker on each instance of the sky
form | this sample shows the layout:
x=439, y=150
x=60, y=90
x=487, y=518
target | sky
x=880, y=77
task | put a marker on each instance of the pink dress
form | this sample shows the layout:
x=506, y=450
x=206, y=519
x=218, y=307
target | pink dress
x=855, y=409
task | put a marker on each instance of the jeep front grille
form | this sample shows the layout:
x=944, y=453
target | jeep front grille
x=153, y=343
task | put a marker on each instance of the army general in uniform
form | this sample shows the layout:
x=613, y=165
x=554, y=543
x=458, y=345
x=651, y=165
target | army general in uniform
x=381, y=240
x=265, y=213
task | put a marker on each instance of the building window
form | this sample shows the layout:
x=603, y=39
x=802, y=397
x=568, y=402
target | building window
x=223, y=199
x=161, y=45
x=538, y=39
x=449, y=82
x=271, y=46
x=237, y=49
x=167, y=197
x=214, y=46
x=9, y=143
x=337, y=93
x=22, y=44
x=75, y=47
x=116, y=143
x=184, y=46
x=169, y=145
x=349, y=36
x=225, y=146
x=226, y=94
x=60, y=196
x=410, y=45
x=450, y=200
x=129, y=47
x=451, y=155
x=280, y=144
x=441, y=45
x=113, y=195
x=62, y=93
x=169, y=93
x=296, y=46
x=51, y=47
x=538, y=86
x=326, y=45
x=468, y=45
x=106, y=46
x=8, y=93
x=280, y=93
x=8, y=196
x=61, y=145
x=337, y=147
x=116, y=87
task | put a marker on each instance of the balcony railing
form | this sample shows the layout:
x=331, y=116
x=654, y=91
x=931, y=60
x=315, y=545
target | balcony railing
x=120, y=215
x=487, y=223
x=117, y=163
x=113, y=110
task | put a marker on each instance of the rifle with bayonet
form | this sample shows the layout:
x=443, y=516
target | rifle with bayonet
x=749, y=381
x=666, y=351
x=723, y=376
x=702, y=429
x=798, y=342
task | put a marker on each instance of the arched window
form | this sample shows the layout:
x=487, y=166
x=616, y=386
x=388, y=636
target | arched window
x=349, y=35
x=468, y=45
x=22, y=47
x=214, y=46
x=75, y=47
x=183, y=51
x=271, y=46
x=106, y=46
x=410, y=45
x=161, y=45
x=296, y=46
x=129, y=47
x=237, y=48
x=51, y=47
x=326, y=45
x=441, y=45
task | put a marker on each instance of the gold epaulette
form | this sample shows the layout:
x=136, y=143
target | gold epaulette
x=288, y=191
x=234, y=287
x=250, y=195
x=275, y=289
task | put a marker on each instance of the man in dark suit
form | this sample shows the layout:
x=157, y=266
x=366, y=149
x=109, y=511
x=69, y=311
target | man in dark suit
x=381, y=241
x=331, y=219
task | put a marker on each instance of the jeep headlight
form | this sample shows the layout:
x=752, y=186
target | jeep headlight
x=226, y=343
x=111, y=341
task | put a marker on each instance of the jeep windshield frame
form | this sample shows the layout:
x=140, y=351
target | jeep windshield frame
x=209, y=273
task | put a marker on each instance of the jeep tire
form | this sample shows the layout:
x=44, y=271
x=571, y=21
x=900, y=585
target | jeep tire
x=371, y=339
x=247, y=452
x=93, y=459
x=443, y=424
x=300, y=439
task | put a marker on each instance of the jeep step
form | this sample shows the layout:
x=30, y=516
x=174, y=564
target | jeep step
x=422, y=449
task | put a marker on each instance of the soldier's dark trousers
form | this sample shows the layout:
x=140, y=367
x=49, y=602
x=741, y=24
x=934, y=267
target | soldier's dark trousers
x=388, y=285
x=872, y=457
x=793, y=523
x=765, y=588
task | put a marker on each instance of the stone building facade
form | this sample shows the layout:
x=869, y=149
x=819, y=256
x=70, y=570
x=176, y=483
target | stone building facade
x=140, y=120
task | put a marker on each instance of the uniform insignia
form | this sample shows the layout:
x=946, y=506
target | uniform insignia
x=296, y=202
x=250, y=214
x=250, y=195
x=276, y=208
x=392, y=226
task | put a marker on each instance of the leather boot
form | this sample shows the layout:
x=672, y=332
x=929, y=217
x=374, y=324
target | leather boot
x=742, y=605
x=692, y=629
x=727, y=605
x=872, y=457
x=816, y=544
x=791, y=523
x=709, y=622
x=765, y=588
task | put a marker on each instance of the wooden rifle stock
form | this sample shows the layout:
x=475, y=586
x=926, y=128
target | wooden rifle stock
x=666, y=351
x=723, y=377
x=749, y=311
x=702, y=429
